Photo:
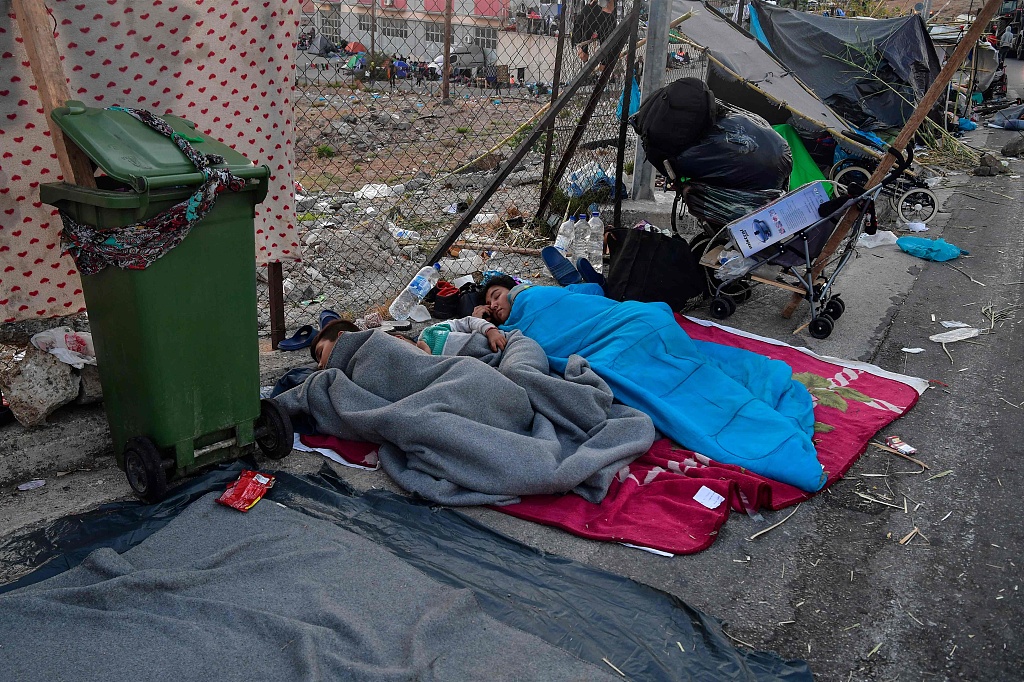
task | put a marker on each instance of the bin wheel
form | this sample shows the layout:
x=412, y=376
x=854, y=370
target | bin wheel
x=722, y=307
x=739, y=291
x=821, y=327
x=274, y=434
x=143, y=465
x=835, y=307
x=918, y=205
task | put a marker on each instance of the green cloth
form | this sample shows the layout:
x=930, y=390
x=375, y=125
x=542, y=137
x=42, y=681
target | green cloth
x=804, y=168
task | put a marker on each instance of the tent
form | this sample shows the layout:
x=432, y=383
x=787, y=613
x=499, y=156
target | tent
x=320, y=46
x=872, y=72
x=356, y=61
x=745, y=74
x=402, y=69
x=355, y=48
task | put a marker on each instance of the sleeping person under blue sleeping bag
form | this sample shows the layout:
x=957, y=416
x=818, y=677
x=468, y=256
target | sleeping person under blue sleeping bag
x=729, y=404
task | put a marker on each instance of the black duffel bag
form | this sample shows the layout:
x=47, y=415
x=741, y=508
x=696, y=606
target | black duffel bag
x=651, y=266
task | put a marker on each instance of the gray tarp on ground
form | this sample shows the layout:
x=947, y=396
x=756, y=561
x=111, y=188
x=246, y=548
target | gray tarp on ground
x=871, y=72
x=271, y=594
x=458, y=431
x=746, y=75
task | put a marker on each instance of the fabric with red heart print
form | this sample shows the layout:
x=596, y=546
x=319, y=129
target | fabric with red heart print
x=225, y=65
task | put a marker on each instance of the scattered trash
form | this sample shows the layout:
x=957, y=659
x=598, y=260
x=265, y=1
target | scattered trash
x=708, y=497
x=773, y=527
x=419, y=314
x=374, y=192
x=879, y=238
x=915, y=227
x=912, y=351
x=67, y=345
x=32, y=485
x=939, y=475
x=896, y=443
x=953, y=335
x=930, y=249
x=953, y=324
x=243, y=493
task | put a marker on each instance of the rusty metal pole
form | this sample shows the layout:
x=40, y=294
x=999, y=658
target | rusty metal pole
x=556, y=80
x=275, y=281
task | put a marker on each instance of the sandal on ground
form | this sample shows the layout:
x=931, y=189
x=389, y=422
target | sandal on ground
x=560, y=267
x=302, y=338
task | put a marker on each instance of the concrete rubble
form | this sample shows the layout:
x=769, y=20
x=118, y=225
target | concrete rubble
x=38, y=385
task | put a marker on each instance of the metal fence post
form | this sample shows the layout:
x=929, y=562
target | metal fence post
x=654, y=76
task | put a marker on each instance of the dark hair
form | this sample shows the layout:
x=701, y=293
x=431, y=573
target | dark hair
x=331, y=332
x=497, y=281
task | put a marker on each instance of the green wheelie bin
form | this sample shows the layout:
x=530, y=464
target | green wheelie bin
x=176, y=342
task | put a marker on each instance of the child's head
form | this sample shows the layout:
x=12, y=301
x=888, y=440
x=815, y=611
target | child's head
x=324, y=342
x=495, y=297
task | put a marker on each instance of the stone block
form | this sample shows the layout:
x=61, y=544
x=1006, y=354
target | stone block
x=1014, y=147
x=37, y=386
x=90, y=391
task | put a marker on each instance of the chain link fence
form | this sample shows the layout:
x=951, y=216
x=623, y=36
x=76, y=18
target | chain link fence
x=387, y=164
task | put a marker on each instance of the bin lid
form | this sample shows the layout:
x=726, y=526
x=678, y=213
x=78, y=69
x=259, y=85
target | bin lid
x=130, y=151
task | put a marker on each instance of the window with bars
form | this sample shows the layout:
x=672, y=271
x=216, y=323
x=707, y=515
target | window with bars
x=433, y=32
x=365, y=22
x=396, y=28
x=486, y=37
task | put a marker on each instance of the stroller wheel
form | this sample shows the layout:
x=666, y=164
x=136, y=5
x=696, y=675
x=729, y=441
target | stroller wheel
x=835, y=307
x=739, y=291
x=917, y=205
x=852, y=175
x=722, y=307
x=821, y=327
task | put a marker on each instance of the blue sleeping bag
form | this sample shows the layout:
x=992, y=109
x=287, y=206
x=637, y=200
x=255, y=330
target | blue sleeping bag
x=732, y=405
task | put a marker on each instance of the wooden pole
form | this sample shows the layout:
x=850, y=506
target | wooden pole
x=906, y=136
x=36, y=28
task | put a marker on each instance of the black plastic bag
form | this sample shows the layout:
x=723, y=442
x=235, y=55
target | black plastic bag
x=674, y=118
x=650, y=266
x=740, y=153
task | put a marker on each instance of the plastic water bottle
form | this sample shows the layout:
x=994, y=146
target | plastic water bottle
x=411, y=296
x=596, y=238
x=581, y=236
x=566, y=233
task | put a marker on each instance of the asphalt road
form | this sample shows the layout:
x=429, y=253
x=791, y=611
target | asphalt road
x=833, y=585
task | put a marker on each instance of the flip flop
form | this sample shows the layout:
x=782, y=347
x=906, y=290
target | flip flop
x=328, y=316
x=560, y=267
x=589, y=274
x=302, y=338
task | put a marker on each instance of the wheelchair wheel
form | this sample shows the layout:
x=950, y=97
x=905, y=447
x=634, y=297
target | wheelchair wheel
x=821, y=327
x=852, y=175
x=917, y=205
x=722, y=307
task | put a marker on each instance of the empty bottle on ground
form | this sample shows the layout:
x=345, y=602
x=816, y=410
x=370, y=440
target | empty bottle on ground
x=414, y=292
x=565, y=236
x=595, y=250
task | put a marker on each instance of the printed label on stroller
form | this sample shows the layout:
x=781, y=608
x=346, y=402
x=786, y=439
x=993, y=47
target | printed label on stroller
x=779, y=220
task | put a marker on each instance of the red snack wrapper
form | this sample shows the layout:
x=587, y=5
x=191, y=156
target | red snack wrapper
x=245, y=492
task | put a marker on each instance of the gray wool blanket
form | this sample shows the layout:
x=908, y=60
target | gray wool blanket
x=271, y=594
x=480, y=429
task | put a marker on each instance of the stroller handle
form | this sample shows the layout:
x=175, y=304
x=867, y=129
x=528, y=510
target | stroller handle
x=902, y=163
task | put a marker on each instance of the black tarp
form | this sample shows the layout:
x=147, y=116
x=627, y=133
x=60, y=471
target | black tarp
x=590, y=613
x=871, y=72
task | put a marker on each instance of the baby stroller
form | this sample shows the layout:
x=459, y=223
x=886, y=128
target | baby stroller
x=908, y=196
x=797, y=251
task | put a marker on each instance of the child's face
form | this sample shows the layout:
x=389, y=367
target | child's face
x=496, y=301
x=323, y=352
